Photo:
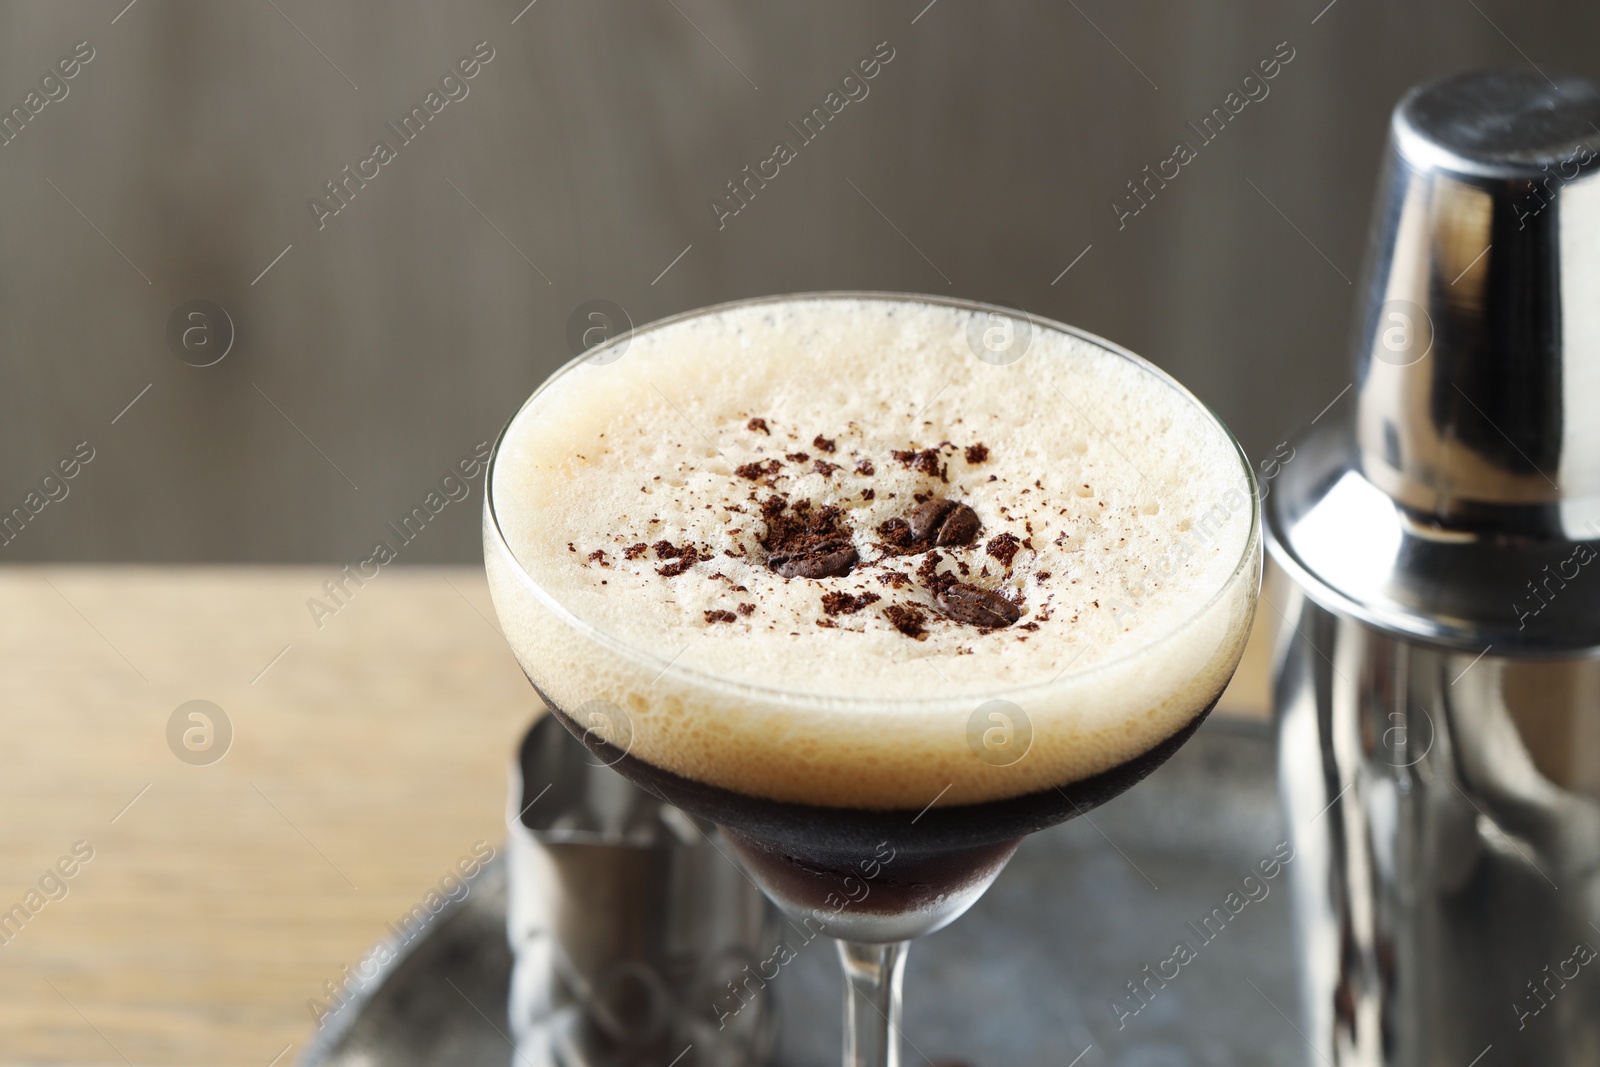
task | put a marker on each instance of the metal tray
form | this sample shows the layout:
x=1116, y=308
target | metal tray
x=1029, y=976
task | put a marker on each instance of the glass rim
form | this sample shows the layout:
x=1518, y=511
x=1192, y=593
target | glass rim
x=781, y=694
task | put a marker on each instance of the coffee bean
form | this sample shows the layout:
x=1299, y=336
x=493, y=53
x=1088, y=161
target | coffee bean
x=825, y=561
x=977, y=607
x=959, y=527
x=926, y=516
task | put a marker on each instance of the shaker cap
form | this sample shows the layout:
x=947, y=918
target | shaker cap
x=1508, y=122
x=1477, y=344
x=1463, y=493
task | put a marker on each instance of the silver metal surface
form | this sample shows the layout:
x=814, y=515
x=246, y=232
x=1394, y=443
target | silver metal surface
x=1438, y=693
x=1462, y=499
x=629, y=927
x=1032, y=975
x=1486, y=223
x=1448, y=842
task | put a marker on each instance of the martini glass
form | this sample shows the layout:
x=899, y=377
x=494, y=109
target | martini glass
x=873, y=876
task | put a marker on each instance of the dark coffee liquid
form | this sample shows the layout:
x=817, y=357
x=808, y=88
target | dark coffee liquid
x=812, y=851
x=884, y=881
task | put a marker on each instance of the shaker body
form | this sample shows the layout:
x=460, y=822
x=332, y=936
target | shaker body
x=1445, y=812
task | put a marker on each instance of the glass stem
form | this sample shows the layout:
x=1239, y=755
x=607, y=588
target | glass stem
x=872, y=1003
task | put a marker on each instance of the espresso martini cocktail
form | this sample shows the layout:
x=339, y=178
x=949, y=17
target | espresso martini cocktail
x=877, y=584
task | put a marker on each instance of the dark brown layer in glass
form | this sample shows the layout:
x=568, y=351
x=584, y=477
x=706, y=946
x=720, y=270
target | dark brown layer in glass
x=830, y=836
x=882, y=882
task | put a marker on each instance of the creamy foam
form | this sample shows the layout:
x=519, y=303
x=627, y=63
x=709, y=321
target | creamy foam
x=1115, y=515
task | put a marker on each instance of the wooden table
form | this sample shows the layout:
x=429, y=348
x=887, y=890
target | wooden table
x=368, y=756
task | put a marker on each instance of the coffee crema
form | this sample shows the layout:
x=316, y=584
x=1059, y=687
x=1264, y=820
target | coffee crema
x=790, y=548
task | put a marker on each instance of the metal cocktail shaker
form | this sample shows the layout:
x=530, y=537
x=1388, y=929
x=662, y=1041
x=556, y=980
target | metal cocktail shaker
x=1438, y=687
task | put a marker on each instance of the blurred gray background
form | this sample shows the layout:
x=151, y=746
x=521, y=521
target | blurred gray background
x=378, y=349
